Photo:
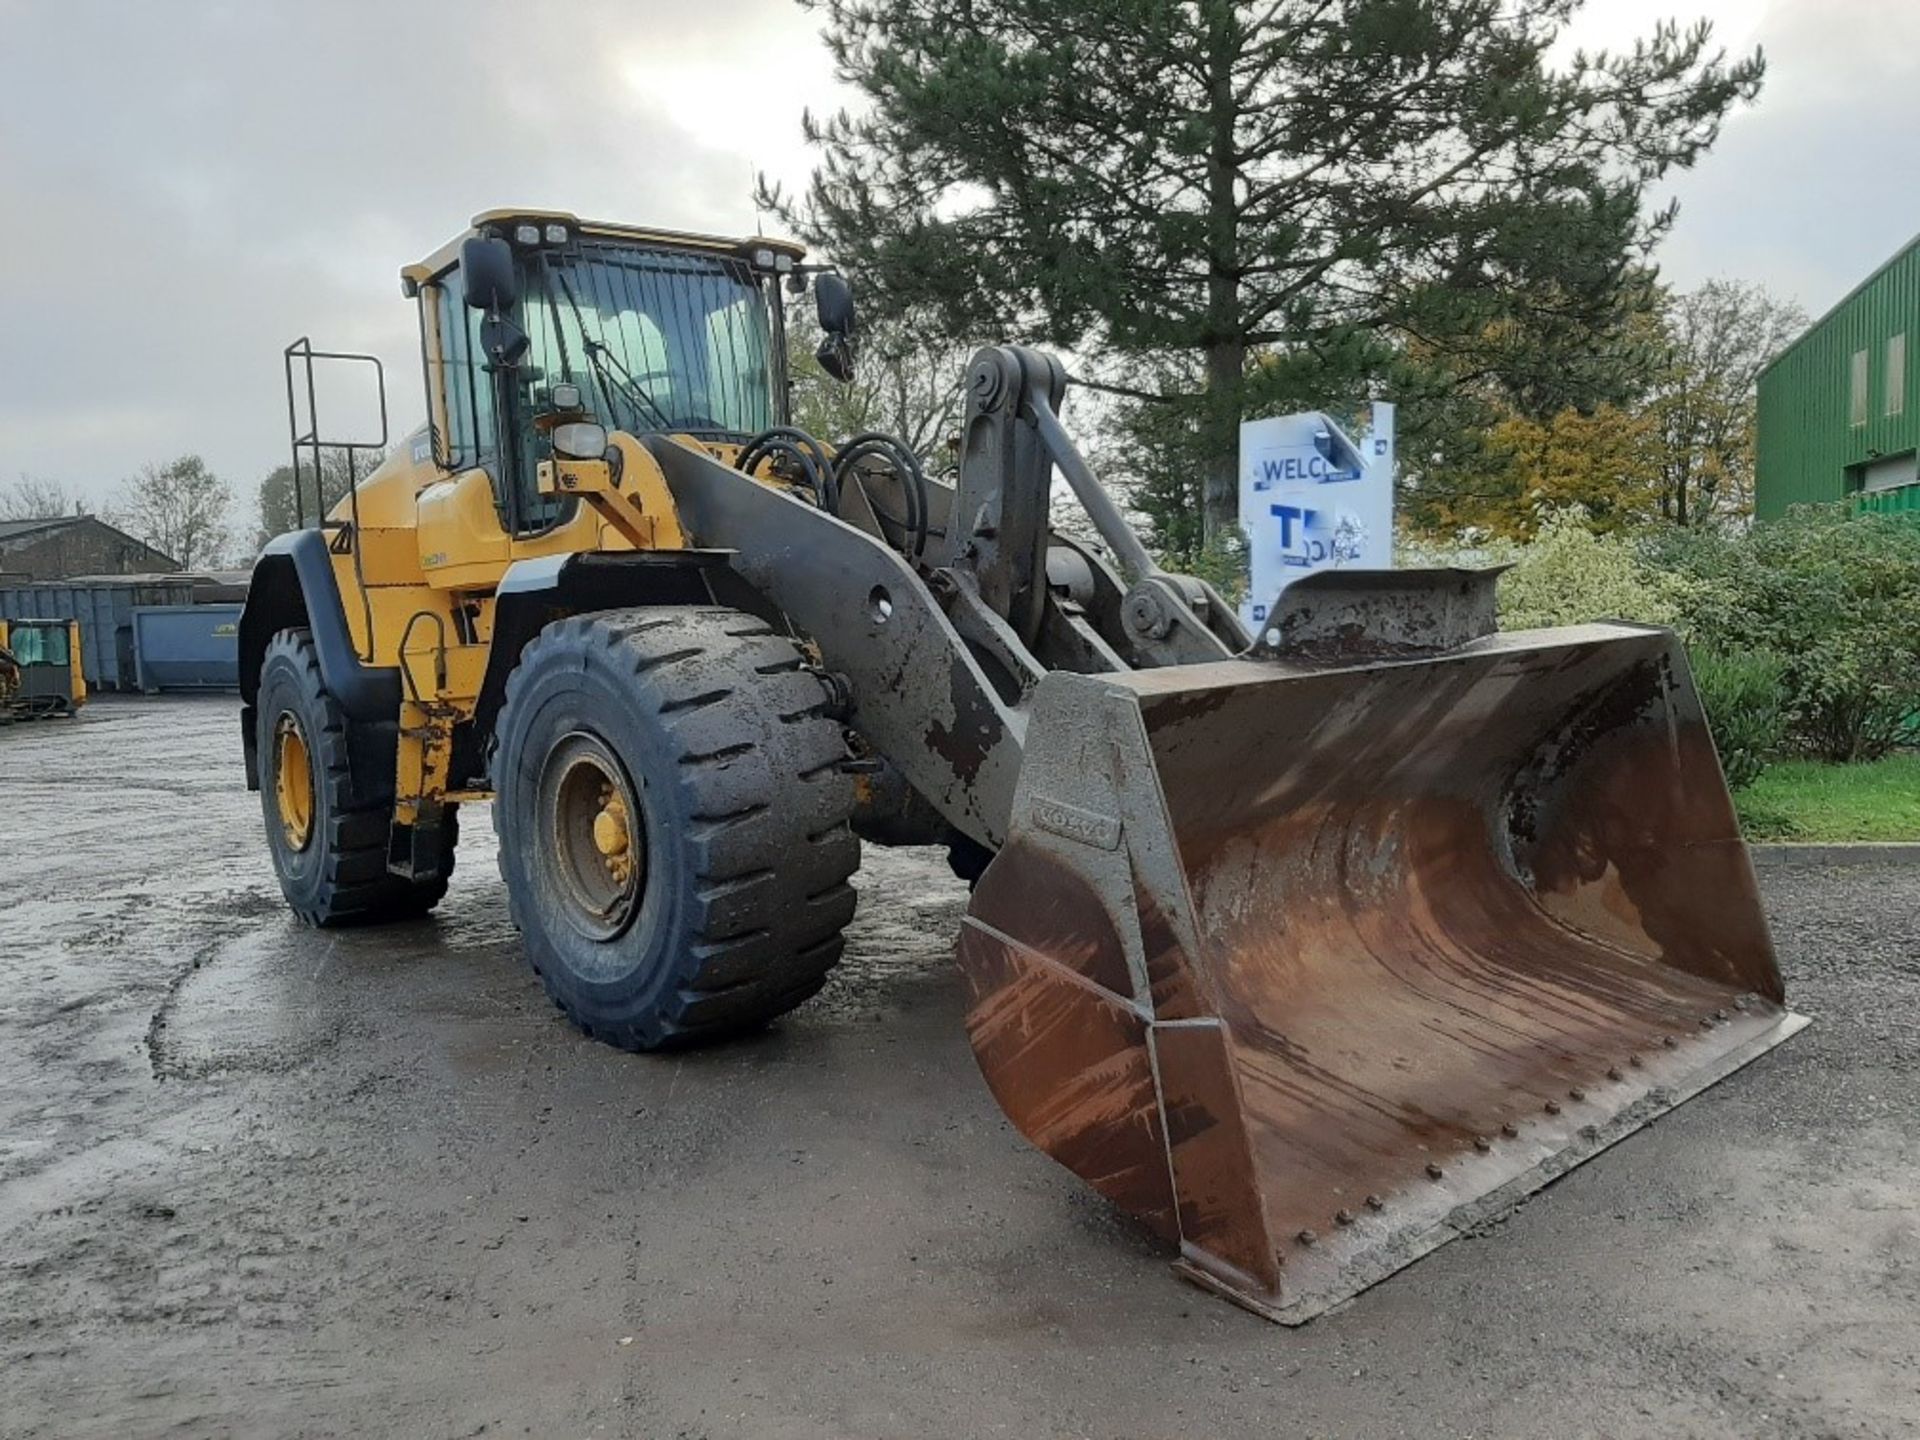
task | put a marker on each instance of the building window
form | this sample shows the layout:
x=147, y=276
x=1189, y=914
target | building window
x=1897, y=374
x=1857, y=390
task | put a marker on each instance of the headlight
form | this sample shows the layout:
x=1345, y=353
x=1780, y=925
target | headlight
x=526, y=234
x=783, y=264
x=580, y=440
x=763, y=259
x=556, y=234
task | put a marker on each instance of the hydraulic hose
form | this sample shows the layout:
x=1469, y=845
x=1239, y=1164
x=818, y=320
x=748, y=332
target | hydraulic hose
x=807, y=452
x=905, y=464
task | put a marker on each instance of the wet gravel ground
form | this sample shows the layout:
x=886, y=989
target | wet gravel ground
x=262, y=1181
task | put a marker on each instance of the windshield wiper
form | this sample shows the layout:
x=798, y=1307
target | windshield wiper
x=600, y=357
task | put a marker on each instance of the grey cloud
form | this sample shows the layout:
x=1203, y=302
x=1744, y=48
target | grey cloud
x=190, y=185
x=187, y=185
x=1813, y=188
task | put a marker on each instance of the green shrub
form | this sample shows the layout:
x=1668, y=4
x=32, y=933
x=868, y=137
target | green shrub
x=1746, y=709
x=1567, y=575
x=1834, y=594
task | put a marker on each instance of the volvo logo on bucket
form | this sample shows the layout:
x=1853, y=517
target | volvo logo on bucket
x=1311, y=498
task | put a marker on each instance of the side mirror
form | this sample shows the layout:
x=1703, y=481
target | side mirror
x=836, y=357
x=833, y=302
x=486, y=268
x=502, y=341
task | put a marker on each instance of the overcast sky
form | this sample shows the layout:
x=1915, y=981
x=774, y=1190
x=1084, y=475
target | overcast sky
x=186, y=186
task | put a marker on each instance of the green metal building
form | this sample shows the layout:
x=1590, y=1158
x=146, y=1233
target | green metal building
x=1839, y=412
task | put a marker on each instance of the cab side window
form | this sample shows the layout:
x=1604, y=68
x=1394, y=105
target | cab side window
x=469, y=389
x=473, y=434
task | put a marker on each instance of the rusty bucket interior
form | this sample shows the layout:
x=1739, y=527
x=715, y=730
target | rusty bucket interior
x=1310, y=967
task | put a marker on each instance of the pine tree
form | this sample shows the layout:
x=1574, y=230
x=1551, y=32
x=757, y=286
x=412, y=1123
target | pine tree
x=1259, y=198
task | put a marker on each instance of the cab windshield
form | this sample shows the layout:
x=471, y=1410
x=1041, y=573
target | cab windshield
x=656, y=340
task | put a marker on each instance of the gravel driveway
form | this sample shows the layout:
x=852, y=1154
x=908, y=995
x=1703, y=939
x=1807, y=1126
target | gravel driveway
x=259, y=1181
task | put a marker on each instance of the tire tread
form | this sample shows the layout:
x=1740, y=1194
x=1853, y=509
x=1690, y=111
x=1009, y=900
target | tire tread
x=758, y=766
x=357, y=887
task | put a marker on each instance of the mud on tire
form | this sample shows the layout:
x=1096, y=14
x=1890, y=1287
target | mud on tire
x=339, y=876
x=709, y=731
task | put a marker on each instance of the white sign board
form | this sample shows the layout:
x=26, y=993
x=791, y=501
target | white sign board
x=1310, y=499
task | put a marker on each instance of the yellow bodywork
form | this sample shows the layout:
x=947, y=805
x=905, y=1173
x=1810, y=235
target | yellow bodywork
x=419, y=549
x=75, y=672
x=418, y=568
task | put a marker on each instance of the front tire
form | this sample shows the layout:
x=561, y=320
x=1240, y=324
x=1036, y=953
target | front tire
x=673, y=821
x=327, y=826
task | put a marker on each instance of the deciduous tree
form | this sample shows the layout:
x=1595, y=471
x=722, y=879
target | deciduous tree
x=180, y=508
x=1715, y=340
x=274, y=504
x=34, y=497
x=909, y=383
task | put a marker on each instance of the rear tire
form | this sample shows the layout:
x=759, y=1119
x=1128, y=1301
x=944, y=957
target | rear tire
x=327, y=827
x=673, y=822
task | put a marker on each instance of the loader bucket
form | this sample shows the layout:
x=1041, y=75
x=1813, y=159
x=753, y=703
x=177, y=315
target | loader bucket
x=1313, y=965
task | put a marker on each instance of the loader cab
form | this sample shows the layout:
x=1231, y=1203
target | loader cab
x=43, y=671
x=655, y=331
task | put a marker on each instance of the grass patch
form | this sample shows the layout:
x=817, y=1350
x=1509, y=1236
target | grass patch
x=1814, y=801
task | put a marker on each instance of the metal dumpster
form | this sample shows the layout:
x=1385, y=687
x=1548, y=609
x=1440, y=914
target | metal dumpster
x=187, y=647
x=104, y=606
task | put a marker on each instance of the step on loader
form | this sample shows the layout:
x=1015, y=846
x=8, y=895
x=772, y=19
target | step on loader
x=1309, y=948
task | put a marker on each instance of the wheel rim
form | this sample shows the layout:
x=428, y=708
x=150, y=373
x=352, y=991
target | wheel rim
x=597, y=850
x=293, y=781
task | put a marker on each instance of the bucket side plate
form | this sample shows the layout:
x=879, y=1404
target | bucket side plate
x=1402, y=941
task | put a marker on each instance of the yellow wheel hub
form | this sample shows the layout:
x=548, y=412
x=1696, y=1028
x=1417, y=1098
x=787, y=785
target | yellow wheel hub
x=612, y=837
x=596, y=837
x=293, y=782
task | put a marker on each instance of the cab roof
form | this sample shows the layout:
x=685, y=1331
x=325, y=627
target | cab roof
x=497, y=221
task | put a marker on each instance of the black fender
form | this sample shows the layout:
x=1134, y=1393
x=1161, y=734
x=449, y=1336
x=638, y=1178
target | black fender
x=535, y=593
x=293, y=585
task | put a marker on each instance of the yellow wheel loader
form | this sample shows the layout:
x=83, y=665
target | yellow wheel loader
x=1308, y=947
